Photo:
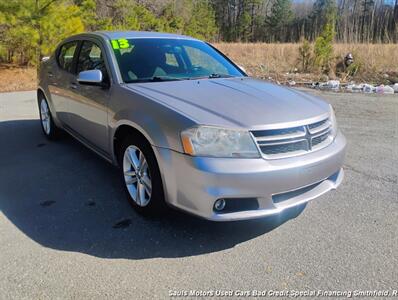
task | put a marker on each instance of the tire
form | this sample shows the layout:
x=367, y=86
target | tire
x=143, y=185
x=50, y=130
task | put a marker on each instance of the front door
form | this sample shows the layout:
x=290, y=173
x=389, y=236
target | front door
x=88, y=106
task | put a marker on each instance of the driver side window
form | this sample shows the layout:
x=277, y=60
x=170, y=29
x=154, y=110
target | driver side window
x=91, y=58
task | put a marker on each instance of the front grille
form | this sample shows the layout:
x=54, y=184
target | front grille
x=285, y=142
x=320, y=139
x=278, y=198
x=273, y=149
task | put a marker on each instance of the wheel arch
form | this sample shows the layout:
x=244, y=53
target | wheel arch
x=121, y=131
x=41, y=90
x=125, y=128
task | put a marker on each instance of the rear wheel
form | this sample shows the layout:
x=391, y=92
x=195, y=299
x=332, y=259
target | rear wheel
x=141, y=176
x=50, y=130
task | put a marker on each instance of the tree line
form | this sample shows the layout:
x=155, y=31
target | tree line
x=30, y=29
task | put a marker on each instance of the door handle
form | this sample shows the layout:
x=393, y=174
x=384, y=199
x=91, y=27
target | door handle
x=50, y=77
x=73, y=85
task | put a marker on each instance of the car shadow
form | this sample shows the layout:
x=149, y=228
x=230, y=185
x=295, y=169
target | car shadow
x=63, y=196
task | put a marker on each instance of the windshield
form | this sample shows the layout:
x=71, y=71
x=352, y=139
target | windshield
x=151, y=59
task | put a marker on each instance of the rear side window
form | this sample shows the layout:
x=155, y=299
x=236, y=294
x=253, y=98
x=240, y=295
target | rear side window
x=91, y=58
x=65, y=56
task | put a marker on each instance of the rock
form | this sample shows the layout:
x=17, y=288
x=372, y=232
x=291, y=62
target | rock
x=380, y=89
x=333, y=84
x=368, y=88
x=388, y=90
x=356, y=88
x=384, y=89
x=329, y=85
x=351, y=87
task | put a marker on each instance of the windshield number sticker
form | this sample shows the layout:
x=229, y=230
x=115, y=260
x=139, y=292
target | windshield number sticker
x=120, y=44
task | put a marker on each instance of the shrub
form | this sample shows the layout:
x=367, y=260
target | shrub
x=323, y=49
x=305, y=55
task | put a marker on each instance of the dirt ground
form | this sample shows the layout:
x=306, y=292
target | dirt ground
x=17, y=79
x=280, y=62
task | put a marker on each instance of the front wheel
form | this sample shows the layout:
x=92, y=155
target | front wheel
x=50, y=130
x=141, y=176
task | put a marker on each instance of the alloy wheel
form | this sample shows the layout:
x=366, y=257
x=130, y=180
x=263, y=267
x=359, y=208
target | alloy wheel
x=137, y=176
x=45, y=116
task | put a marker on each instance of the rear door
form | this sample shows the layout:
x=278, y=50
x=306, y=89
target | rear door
x=60, y=76
x=88, y=104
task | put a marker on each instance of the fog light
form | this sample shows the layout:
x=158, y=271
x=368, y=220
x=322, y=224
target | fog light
x=219, y=204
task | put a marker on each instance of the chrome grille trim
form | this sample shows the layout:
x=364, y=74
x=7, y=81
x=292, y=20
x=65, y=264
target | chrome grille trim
x=319, y=140
x=292, y=141
x=319, y=126
x=278, y=134
x=277, y=149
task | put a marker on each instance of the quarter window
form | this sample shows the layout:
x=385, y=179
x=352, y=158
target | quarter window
x=65, y=56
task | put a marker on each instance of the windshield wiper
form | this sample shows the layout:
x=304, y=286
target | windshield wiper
x=169, y=78
x=165, y=78
x=217, y=75
x=155, y=79
x=213, y=75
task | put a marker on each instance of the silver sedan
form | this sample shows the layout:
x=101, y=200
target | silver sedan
x=187, y=127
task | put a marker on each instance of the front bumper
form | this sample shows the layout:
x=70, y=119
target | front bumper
x=193, y=184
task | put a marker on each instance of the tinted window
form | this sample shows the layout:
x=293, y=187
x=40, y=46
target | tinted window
x=170, y=59
x=91, y=58
x=65, y=56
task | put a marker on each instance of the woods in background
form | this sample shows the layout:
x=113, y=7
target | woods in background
x=30, y=29
x=371, y=21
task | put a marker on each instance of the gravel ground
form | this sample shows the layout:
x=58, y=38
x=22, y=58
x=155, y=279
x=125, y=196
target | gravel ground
x=66, y=230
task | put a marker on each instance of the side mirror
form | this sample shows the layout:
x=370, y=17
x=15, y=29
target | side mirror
x=91, y=77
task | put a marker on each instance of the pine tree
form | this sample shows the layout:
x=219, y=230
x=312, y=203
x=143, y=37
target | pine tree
x=33, y=29
x=202, y=23
x=323, y=49
x=281, y=15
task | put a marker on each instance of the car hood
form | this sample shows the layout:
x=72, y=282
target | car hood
x=236, y=102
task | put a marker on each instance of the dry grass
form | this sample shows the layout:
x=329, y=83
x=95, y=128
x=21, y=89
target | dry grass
x=275, y=60
x=278, y=61
x=17, y=79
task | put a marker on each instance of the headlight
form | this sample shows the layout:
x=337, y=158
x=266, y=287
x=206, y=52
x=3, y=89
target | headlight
x=333, y=121
x=218, y=142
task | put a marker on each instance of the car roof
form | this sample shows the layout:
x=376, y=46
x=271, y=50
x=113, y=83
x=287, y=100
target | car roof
x=138, y=34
